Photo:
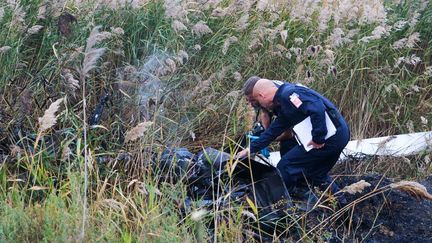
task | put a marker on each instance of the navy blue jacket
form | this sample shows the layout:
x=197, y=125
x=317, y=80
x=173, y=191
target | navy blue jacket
x=313, y=104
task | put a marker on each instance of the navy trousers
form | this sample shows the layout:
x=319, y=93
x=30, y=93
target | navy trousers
x=297, y=165
x=287, y=145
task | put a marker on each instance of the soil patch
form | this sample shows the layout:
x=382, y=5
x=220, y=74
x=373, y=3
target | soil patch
x=389, y=216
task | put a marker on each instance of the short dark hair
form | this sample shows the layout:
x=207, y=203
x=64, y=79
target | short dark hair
x=249, y=85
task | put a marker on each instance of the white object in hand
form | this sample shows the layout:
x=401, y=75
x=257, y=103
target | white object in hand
x=303, y=131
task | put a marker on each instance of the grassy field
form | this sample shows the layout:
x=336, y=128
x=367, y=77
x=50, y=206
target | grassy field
x=93, y=91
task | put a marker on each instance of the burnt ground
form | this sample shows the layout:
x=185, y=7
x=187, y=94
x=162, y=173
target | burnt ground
x=377, y=214
x=390, y=216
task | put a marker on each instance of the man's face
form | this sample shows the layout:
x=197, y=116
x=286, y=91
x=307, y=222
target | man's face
x=263, y=99
x=252, y=101
x=260, y=101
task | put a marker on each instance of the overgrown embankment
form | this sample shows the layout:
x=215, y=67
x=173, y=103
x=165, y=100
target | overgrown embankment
x=81, y=101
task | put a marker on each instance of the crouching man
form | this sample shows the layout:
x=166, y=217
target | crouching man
x=292, y=104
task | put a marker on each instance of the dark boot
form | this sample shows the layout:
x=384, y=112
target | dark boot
x=334, y=190
x=307, y=200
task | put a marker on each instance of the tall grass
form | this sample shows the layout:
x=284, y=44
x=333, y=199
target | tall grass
x=179, y=65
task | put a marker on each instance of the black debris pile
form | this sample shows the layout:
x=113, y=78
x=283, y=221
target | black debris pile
x=211, y=180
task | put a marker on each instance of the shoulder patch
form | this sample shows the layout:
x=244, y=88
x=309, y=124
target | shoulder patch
x=295, y=100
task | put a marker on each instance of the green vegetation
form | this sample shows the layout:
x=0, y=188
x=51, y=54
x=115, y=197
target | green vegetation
x=179, y=66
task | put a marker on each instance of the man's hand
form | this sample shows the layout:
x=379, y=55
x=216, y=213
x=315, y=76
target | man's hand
x=315, y=145
x=242, y=154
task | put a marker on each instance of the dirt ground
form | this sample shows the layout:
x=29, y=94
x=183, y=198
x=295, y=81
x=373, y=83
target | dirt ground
x=392, y=216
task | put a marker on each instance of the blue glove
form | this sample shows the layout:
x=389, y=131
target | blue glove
x=265, y=151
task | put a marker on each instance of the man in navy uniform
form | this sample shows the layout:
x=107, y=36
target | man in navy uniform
x=292, y=104
x=286, y=140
